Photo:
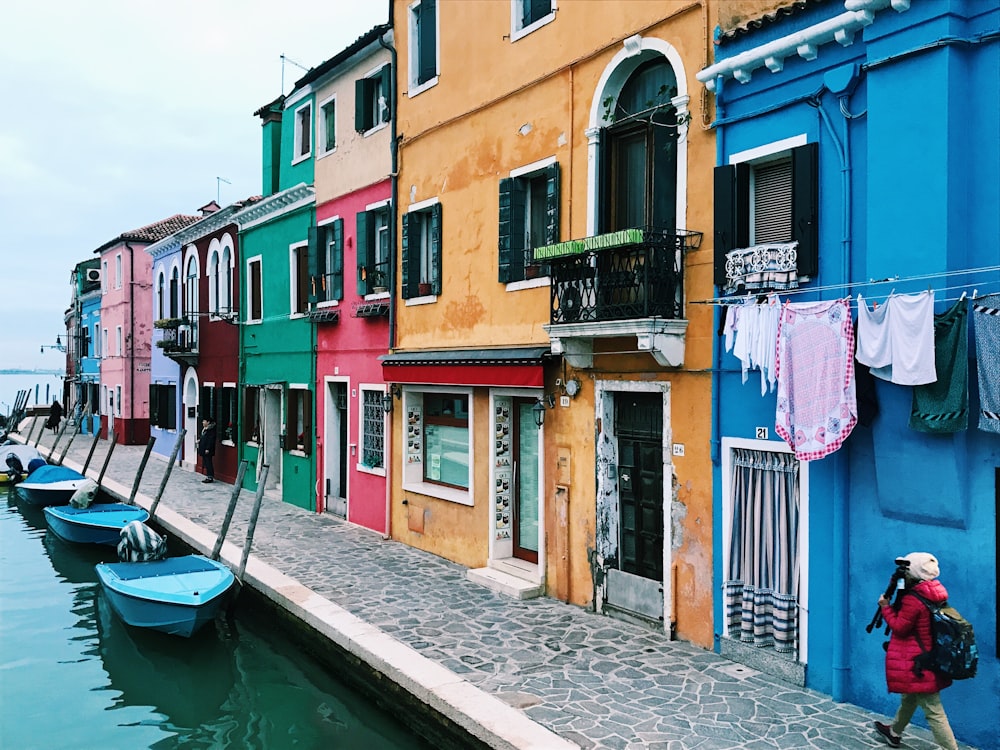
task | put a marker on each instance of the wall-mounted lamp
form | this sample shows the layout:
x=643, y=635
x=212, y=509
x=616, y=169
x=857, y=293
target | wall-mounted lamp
x=538, y=410
x=571, y=387
x=58, y=345
x=394, y=391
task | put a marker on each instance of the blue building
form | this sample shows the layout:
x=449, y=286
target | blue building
x=165, y=373
x=858, y=156
x=88, y=338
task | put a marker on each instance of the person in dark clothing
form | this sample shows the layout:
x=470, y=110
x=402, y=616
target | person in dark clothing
x=909, y=620
x=55, y=415
x=206, y=449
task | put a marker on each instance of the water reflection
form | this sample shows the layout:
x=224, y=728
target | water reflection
x=237, y=684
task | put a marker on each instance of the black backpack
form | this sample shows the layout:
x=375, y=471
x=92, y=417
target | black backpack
x=953, y=651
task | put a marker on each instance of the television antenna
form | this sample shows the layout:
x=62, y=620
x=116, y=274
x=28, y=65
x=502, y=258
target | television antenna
x=218, y=188
x=284, y=59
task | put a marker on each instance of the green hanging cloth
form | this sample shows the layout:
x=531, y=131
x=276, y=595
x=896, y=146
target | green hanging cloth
x=943, y=406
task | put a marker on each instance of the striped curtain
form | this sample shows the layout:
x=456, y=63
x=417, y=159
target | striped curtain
x=761, y=587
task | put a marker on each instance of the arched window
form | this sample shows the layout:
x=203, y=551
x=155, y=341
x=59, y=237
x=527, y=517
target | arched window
x=191, y=287
x=175, y=291
x=639, y=164
x=226, y=282
x=160, y=295
x=213, y=282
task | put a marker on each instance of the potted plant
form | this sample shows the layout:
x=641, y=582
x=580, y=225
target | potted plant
x=424, y=288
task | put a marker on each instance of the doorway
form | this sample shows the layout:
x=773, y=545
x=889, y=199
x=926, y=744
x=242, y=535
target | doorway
x=335, y=457
x=270, y=432
x=526, y=481
x=189, y=419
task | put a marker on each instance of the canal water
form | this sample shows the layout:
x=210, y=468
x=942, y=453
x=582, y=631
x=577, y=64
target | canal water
x=73, y=676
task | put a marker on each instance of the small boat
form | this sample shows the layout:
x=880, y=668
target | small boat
x=24, y=454
x=178, y=595
x=50, y=485
x=97, y=524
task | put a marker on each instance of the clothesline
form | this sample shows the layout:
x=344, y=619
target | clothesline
x=901, y=280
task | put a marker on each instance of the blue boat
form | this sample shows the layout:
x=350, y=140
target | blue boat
x=97, y=524
x=178, y=595
x=50, y=485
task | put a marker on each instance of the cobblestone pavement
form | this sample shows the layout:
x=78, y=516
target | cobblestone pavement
x=595, y=681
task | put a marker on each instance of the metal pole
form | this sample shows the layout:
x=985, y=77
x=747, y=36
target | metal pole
x=230, y=510
x=142, y=468
x=97, y=436
x=253, y=525
x=166, y=474
x=58, y=438
x=107, y=458
x=72, y=437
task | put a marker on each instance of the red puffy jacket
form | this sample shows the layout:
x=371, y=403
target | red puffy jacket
x=911, y=636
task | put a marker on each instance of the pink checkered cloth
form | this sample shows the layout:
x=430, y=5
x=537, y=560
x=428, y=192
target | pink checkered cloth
x=817, y=405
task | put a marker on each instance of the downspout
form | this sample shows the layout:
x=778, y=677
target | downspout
x=720, y=151
x=394, y=212
x=131, y=343
x=842, y=472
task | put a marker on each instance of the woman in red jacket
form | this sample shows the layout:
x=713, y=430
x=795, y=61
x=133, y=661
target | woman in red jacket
x=909, y=620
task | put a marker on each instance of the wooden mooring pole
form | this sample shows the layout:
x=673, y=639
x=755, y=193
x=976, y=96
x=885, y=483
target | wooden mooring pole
x=142, y=467
x=252, y=526
x=93, y=445
x=217, y=549
x=58, y=438
x=166, y=474
x=107, y=458
x=72, y=436
x=31, y=430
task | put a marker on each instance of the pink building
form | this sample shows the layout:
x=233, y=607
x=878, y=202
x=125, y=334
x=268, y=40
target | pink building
x=126, y=329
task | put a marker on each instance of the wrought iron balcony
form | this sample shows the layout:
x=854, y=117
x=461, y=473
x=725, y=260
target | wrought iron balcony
x=180, y=339
x=625, y=283
x=632, y=273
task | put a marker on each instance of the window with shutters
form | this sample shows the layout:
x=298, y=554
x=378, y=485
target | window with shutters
x=255, y=291
x=528, y=15
x=326, y=263
x=227, y=414
x=423, y=45
x=175, y=292
x=371, y=100
x=421, y=250
x=326, y=127
x=766, y=204
x=163, y=406
x=373, y=249
x=298, y=420
x=208, y=404
x=299, y=270
x=529, y=218
x=303, y=133
x=161, y=282
x=251, y=414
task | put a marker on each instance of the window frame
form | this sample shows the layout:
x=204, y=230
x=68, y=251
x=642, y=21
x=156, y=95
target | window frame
x=298, y=273
x=424, y=221
x=229, y=414
x=161, y=285
x=515, y=222
x=323, y=124
x=119, y=342
x=255, y=289
x=413, y=471
x=368, y=257
x=518, y=29
x=415, y=13
x=326, y=252
x=302, y=126
x=118, y=271
x=250, y=415
x=298, y=395
x=377, y=391
x=372, y=100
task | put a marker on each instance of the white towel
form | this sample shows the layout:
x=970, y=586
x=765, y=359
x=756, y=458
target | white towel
x=897, y=340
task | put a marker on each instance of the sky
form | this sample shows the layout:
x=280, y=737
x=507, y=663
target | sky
x=120, y=113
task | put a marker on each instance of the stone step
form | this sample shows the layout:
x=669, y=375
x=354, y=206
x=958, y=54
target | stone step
x=505, y=583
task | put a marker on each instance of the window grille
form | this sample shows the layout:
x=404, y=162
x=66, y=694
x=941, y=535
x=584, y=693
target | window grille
x=373, y=442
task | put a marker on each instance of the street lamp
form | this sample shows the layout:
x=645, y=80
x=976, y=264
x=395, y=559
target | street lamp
x=58, y=345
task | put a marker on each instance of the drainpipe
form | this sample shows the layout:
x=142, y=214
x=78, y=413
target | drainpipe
x=394, y=212
x=131, y=343
x=720, y=151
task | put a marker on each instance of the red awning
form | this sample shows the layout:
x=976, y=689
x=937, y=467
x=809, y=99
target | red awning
x=519, y=367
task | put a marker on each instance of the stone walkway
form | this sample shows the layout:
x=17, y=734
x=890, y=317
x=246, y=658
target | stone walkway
x=594, y=681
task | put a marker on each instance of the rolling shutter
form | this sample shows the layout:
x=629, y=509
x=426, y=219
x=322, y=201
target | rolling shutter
x=772, y=202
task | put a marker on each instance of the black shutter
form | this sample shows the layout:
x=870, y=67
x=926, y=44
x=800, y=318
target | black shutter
x=315, y=265
x=365, y=242
x=553, y=209
x=732, y=214
x=336, y=273
x=427, y=42
x=436, y=249
x=169, y=405
x=386, y=76
x=538, y=10
x=307, y=421
x=291, y=412
x=805, y=206
x=407, y=287
x=519, y=244
x=154, y=405
x=504, y=230
x=361, y=107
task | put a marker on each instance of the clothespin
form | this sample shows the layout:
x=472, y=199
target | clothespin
x=975, y=293
x=964, y=295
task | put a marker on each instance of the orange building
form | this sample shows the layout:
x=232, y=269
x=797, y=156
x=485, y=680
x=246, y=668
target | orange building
x=554, y=420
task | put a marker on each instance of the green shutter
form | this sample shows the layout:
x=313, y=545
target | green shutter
x=504, y=230
x=552, y=204
x=436, y=249
x=427, y=42
x=337, y=260
x=386, y=75
x=360, y=105
x=518, y=228
x=315, y=265
x=406, y=290
x=364, y=240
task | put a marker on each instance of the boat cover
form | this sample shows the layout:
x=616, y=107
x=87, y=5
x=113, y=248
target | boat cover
x=139, y=543
x=168, y=567
x=50, y=474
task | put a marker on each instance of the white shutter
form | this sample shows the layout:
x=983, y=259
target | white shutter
x=772, y=202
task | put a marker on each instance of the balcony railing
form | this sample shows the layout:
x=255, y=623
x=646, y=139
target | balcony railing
x=180, y=338
x=632, y=273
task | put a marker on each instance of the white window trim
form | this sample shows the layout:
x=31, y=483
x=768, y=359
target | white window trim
x=321, y=150
x=413, y=64
x=226, y=243
x=119, y=270
x=386, y=425
x=293, y=281
x=451, y=494
x=516, y=33
x=297, y=156
x=104, y=343
x=761, y=153
x=287, y=419
x=119, y=341
x=104, y=279
x=159, y=292
x=248, y=291
x=772, y=446
x=213, y=276
x=530, y=169
x=118, y=401
x=380, y=125
x=330, y=302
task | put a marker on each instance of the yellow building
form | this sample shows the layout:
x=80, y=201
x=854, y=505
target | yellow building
x=554, y=179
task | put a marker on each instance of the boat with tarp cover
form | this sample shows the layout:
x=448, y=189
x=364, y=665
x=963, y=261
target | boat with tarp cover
x=50, y=485
x=101, y=523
